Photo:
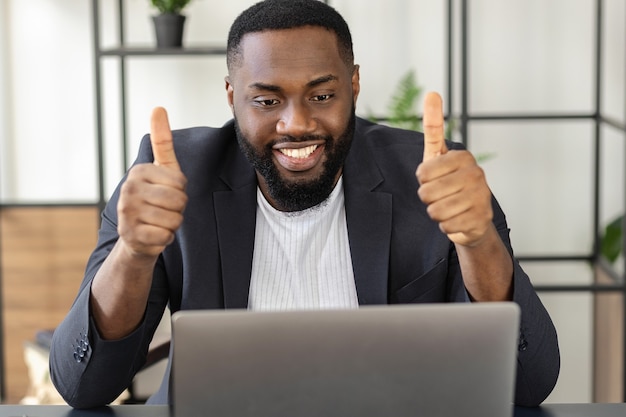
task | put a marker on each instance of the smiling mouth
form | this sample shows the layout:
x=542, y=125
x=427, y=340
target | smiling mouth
x=299, y=153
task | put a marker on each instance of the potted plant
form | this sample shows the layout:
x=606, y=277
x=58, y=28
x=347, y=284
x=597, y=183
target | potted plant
x=169, y=23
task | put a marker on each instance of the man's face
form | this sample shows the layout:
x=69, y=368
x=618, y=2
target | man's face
x=293, y=98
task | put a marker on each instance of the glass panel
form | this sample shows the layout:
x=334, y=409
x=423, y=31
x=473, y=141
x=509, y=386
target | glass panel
x=205, y=101
x=391, y=38
x=542, y=175
x=531, y=56
x=50, y=146
x=572, y=315
x=558, y=272
x=614, y=60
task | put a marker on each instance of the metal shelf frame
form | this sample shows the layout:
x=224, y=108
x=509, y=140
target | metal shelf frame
x=466, y=117
x=122, y=51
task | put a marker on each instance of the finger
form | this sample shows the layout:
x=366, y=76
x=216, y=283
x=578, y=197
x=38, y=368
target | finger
x=434, y=143
x=161, y=139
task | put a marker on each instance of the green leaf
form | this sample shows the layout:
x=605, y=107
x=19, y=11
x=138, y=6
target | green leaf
x=484, y=157
x=611, y=241
x=170, y=6
x=402, y=107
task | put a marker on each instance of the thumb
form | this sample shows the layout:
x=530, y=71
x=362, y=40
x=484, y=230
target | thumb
x=161, y=139
x=434, y=143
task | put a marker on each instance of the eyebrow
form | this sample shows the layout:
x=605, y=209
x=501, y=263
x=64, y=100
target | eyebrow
x=322, y=80
x=313, y=83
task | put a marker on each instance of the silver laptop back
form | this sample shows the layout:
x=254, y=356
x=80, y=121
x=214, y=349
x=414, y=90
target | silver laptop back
x=435, y=360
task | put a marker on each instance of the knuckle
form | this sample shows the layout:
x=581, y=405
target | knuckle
x=422, y=194
x=432, y=211
x=130, y=187
x=425, y=194
x=419, y=174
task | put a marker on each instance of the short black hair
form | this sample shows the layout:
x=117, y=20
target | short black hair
x=288, y=14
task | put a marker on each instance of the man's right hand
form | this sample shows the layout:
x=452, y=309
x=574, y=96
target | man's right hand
x=149, y=209
x=153, y=197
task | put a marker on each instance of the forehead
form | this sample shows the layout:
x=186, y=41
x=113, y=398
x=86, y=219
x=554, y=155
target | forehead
x=290, y=53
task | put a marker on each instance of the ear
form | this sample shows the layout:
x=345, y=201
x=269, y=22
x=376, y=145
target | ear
x=356, y=83
x=229, y=93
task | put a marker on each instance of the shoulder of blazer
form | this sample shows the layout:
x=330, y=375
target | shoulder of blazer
x=203, y=145
x=383, y=155
x=379, y=135
x=207, y=156
x=392, y=150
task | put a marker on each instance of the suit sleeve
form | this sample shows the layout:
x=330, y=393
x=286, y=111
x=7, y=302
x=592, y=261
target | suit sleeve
x=538, y=357
x=86, y=370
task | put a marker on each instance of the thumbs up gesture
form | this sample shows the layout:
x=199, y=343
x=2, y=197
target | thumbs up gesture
x=452, y=184
x=161, y=139
x=153, y=197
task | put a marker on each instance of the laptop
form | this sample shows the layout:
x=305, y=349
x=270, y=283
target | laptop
x=434, y=360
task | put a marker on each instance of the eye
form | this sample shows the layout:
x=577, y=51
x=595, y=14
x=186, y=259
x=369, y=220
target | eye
x=322, y=97
x=266, y=102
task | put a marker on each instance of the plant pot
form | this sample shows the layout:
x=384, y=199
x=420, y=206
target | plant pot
x=169, y=28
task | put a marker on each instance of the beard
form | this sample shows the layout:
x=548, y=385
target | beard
x=300, y=194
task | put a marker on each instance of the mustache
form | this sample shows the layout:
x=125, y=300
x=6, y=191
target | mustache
x=305, y=138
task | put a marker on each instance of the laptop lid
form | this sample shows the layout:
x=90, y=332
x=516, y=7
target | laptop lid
x=435, y=360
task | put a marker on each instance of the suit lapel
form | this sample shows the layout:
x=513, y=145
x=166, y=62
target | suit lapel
x=235, y=211
x=368, y=214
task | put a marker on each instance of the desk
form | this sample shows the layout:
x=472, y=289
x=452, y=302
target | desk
x=548, y=410
x=65, y=411
x=573, y=410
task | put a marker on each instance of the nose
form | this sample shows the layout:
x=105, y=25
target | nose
x=296, y=121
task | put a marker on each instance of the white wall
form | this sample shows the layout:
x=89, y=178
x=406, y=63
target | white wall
x=526, y=56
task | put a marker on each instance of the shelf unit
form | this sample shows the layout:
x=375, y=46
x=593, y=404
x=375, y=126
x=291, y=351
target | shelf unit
x=599, y=120
x=123, y=52
x=607, y=279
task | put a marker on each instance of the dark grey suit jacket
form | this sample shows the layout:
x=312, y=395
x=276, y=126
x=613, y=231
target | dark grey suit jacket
x=399, y=255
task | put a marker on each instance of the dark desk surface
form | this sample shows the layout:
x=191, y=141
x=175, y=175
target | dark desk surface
x=548, y=410
x=65, y=411
x=573, y=410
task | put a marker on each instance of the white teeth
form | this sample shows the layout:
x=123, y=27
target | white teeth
x=299, y=153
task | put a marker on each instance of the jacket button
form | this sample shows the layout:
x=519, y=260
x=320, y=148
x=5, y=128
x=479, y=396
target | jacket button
x=81, y=347
x=522, y=344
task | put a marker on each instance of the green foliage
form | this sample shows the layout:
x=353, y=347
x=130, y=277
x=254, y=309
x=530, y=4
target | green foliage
x=402, y=108
x=611, y=241
x=170, y=6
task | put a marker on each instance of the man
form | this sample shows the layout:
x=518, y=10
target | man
x=296, y=203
